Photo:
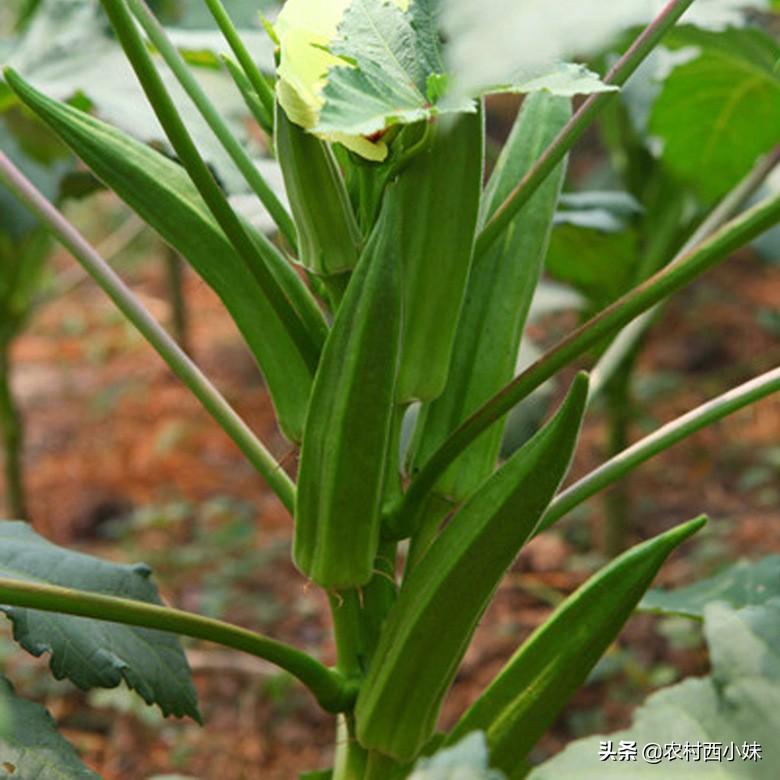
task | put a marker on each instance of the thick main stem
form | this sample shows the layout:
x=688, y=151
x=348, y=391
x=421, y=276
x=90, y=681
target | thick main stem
x=345, y=608
x=150, y=329
x=11, y=427
x=331, y=689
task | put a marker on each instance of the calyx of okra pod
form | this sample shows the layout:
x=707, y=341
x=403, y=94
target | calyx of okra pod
x=349, y=70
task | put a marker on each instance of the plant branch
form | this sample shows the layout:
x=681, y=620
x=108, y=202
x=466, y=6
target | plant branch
x=214, y=120
x=256, y=78
x=624, y=342
x=187, y=152
x=333, y=692
x=668, y=280
x=618, y=75
x=151, y=330
x=665, y=437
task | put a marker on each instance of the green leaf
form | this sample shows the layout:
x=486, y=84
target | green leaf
x=746, y=583
x=163, y=195
x=526, y=696
x=390, y=59
x=720, y=111
x=93, y=653
x=467, y=760
x=739, y=703
x=352, y=69
x=33, y=748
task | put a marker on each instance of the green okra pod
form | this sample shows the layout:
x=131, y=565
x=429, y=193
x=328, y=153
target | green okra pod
x=440, y=603
x=328, y=234
x=498, y=297
x=526, y=696
x=439, y=196
x=348, y=425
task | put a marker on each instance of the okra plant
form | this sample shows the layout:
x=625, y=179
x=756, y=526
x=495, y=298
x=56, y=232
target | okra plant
x=399, y=279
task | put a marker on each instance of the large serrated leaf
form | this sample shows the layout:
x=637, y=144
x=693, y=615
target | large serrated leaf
x=32, y=747
x=93, y=653
x=352, y=68
x=746, y=583
x=390, y=58
x=738, y=705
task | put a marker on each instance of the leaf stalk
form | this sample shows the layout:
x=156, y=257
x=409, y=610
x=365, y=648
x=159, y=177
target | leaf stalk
x=331, y=689
x=150, y=329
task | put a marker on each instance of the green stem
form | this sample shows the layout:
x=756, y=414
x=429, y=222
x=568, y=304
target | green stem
x=617, y=502
x=668, y=280
x=256, y=78
x=350, y=757
x=331, y=689
x=165, y=110
x=580, y=121
x=13, y=439
x=345, y=609
x=150, y=329
x=658, y=441
x=627, y=339
x=379, y=595
x=215, y=121
x=252, y=102
x=174, y=271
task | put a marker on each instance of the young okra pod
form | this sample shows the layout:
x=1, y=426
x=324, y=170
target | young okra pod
x=498, y=297
x=348, y=425
x=440, y=603
x=438, y=195
x=328, y=233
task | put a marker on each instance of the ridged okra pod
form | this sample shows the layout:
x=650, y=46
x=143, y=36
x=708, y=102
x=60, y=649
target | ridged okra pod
x=440, y=603
x=328, y=233
x=438, y=195
x=348, y=425
x=498, y=297
x=524, y=699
